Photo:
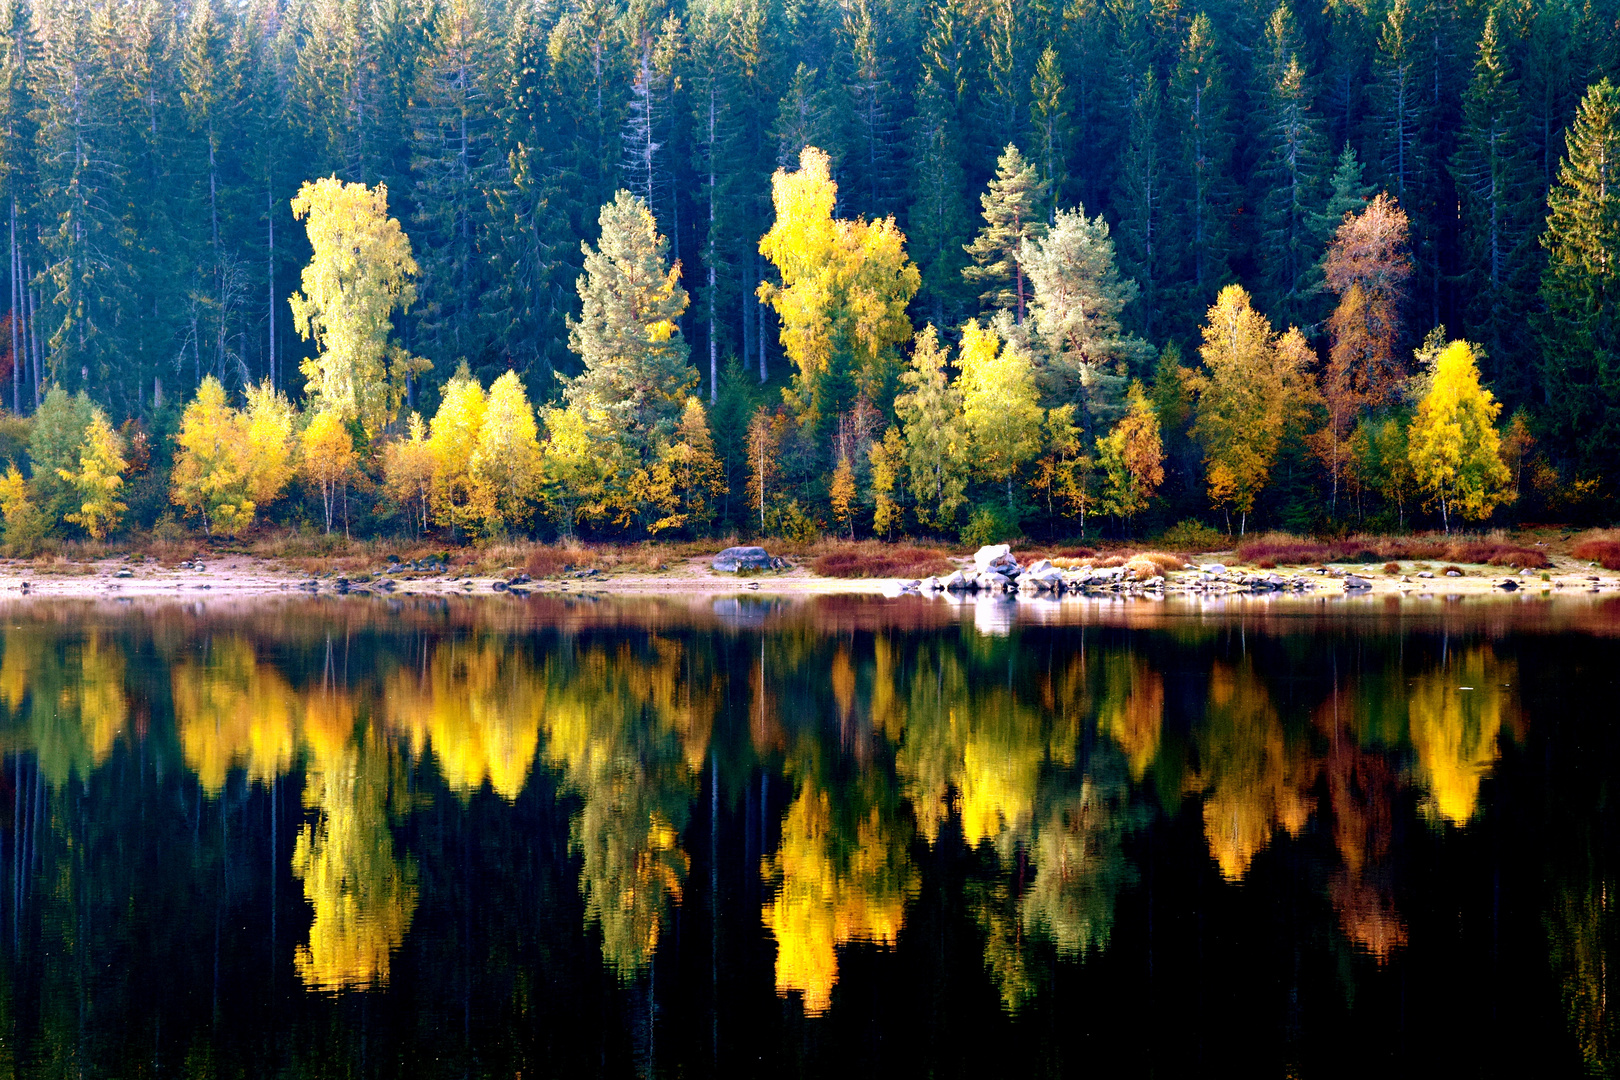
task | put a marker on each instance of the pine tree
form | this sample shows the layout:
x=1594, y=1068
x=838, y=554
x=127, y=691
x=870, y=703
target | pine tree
x=1497, y=182
x=1078, y=300
x=1144, y=202
x=1049, y=124
x=1580, y=287
x=1200, y=109
x=874, y=123
x=937, y=223
x=1290, y=175
x=456, y=168
x=628, y=334
x=1012, y=215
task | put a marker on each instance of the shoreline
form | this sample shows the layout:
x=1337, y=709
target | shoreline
x=246, y=575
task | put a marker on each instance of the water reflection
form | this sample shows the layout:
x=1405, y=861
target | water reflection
x=866, y=772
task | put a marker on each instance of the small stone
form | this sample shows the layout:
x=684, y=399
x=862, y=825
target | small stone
x=1508, y=586
x=1425, y=574
x=1355, y=584
x=499, y=586
x=1454, y=573
x=126, y=572
x=930, y=584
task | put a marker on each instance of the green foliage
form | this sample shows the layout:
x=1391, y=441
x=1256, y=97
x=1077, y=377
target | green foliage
x=54, y=447
x=990, y=523
x=1192, y=535
x=26, y=526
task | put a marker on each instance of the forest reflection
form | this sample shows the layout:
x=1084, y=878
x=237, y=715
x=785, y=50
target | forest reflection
x=1047, y=760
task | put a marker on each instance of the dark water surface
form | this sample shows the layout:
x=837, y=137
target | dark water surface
x=849, y=837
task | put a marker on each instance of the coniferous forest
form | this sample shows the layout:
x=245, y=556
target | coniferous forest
x=957, y=268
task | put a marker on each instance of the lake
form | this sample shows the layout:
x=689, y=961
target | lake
x=829, y=836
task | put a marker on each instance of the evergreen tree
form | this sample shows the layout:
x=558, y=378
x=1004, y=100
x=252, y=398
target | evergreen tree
x=1144, y=202
x=1497, y=181
x=628, y=334
x=1580, y=287
x=1012, y=215
x=1290, y=175
x=456, y=169
x=1200, y=110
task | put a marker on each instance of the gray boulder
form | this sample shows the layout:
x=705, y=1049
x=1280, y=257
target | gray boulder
x=957, y=582
x=1355, y=584
x=994, y=557
x=742, y=558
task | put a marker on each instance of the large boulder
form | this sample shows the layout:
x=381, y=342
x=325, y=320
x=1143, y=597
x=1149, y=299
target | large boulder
x=996, y=557
x=742, y=558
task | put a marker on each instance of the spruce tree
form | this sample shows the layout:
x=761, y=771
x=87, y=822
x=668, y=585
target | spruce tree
x=1290, y=175
x=1497, y=185
x=627, y=334
x=1580, y=287
x=938, y=219
x=1144, y=202
x=456, y=168
x=1200, y=111
x=1011, y=211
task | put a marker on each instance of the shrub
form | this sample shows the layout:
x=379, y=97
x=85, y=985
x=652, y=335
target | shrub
x=873, y=560
x=990, y=523
x=1193, y=536
x=1286, y=549
x=1392, y=568
x=1162, y=561
x=1599, y=549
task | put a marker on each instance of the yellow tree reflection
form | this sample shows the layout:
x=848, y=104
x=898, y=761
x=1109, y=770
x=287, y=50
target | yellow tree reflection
x=832, y=888
x=1583, y=931
x=1253, y=778
x=629, y=732
x=232, y=711
x=363, y=895
x=1131, y=709
x=72, y=692
x=477, y=704
x=1455, y=714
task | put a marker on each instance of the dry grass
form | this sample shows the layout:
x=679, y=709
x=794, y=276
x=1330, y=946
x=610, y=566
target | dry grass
x=873, y=559
x=1494, y=550
x=1392, y=568
x=1601, y=547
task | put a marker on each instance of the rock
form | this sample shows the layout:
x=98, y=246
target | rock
x=1051, y=578
x=1508, y=586
x=499, y=586
x=1214, y=568
x=910, y=586
x=1454, y=573
x=592, y=572
x=957, y=582
x=521, y=579
x=993, y=557
x=733, y=559
x=1039, y=566
x=930, y=584
x=992, y=581
x=342, y=584
x=389, y=585
x=1355, y=584
x=126, y=572
x=1425, y=574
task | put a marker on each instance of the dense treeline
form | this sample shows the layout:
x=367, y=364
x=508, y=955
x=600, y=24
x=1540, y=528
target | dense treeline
x=152, y=155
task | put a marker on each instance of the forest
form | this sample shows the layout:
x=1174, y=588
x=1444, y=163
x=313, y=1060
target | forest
x=962, y=269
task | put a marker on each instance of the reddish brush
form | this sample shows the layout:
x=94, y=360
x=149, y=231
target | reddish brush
x=898, y=562
x=1606, y=553
x=1371, y=549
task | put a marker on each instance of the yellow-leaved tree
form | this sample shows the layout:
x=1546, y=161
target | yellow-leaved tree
x=888, y=460
x=329, y=461
x=453, y=439
x=580, y=458
x=999, y=405
x=210, y=477
x=1453, y=445
x=99, y=479
x=360, y=271
x=686, y=478
x=408, y=473
x=25, y=522
x=1132, y=457
x=271, y=446
x=505, y=466
x=842, y=301
x=1253, y=385
x=233, y=462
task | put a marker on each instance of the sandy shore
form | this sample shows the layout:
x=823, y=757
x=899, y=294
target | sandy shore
x=236, y=575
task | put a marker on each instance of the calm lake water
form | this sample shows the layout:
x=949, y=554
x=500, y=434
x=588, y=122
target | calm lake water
x=851, y=837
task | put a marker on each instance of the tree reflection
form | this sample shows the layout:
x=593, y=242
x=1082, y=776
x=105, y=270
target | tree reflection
x=1456, y=712
x=69, y=693
x=628, y=730
x=476, y=705
x=233, y=711
x=1254, y=779
x=363, y=895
